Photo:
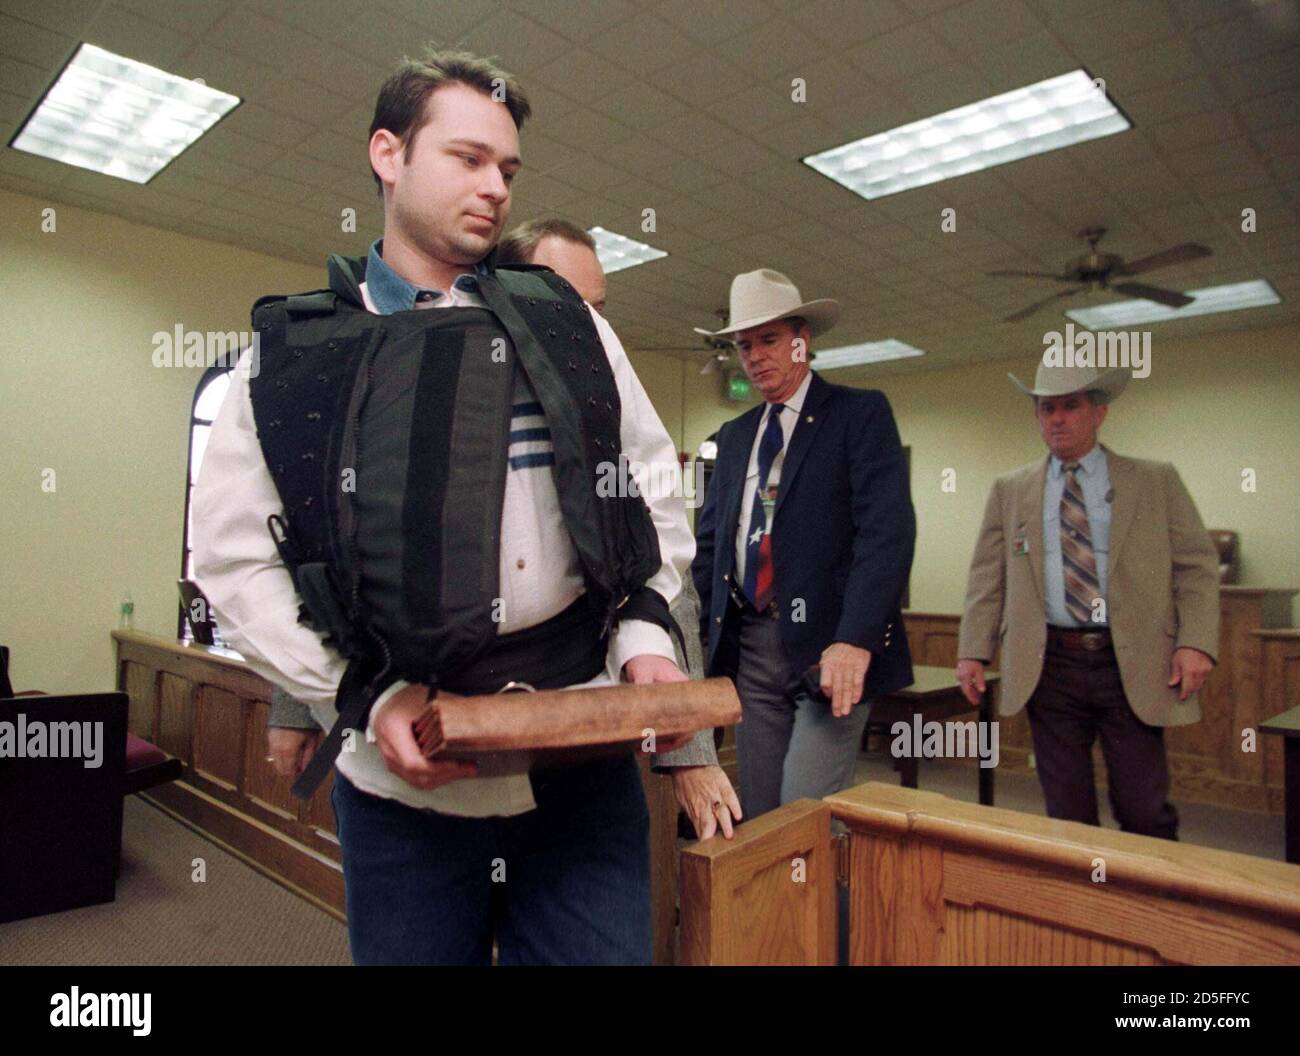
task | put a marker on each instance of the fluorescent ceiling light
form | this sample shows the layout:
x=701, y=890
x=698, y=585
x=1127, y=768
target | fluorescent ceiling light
x=1229, y=298
x=1040, y=117
x=870, y=352
x=120, y=117
x=616, y=252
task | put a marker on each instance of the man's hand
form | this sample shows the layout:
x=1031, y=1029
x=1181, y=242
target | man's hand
x=1191, y=668
x=970, y=676
x=397, y=744
x=291, y=749
x=844, y=672
x=708, y=799
x=651, y=668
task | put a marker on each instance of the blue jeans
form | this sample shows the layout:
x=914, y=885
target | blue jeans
x=567, y=883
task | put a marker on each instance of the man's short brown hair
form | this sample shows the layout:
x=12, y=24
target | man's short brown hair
x=402, y=104
x=520, y=244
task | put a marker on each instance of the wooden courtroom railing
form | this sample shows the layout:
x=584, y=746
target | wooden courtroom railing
x=935, y=881
x=209, y=709
x=1207, y=763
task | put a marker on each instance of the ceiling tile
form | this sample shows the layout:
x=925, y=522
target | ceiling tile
x=698, y=76
x=1198, y=130
x=1125, y=27
x=519, y=43
x=1255, y=33
x=585, y=127
x=726, y=18
x=578, y=20
x=643, y=43
x=895, y=56
x=1262, y=76
x=1124, y=71
x=981, y=24
x=34, y=44
x=1025, y=61
x=24, y=78
x=581, y=75
x=1269, y=111
x=640, y=105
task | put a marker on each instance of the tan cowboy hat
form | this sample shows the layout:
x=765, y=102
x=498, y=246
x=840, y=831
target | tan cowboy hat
x=758, y=297
x=1061, y=381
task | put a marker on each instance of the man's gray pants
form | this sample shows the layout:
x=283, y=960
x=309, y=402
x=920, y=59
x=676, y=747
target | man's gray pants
x=789, y=746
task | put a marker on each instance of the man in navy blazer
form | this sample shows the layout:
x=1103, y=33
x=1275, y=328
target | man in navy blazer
x=803, y=550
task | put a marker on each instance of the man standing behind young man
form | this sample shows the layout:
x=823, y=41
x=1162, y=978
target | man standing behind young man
x=700, y=784
x=804, y=546
x=1095, y=576
x=426, y=844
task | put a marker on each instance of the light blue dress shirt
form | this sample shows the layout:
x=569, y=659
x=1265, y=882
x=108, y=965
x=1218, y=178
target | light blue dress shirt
x=1094, y=479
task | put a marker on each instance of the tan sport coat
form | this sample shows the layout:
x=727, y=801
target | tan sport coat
x=1162, y=591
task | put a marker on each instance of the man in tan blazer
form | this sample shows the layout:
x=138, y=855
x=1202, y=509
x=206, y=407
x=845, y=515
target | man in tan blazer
x=1095, y=576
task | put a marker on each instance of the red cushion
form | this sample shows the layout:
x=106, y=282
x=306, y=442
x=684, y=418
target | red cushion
x=140, y=752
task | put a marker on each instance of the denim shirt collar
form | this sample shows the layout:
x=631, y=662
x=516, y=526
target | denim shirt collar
x=390, y=293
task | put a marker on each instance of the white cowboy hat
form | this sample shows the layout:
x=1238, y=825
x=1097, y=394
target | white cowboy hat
x=1061, y=381
x=758, y=297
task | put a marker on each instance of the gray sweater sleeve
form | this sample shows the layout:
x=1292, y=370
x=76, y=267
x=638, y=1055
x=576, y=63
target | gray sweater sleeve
x=288, y=712
x=700, y=750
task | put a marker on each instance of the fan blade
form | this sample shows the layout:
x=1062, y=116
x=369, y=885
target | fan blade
x=1177, y=255
x=1025, y=313
x=1154, y=293
x=1031, y=275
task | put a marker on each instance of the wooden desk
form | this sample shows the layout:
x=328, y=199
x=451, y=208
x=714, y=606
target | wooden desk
x=1287, y=726
x=934, y=695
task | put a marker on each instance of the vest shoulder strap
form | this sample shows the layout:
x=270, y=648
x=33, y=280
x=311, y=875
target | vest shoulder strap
x=537, y=281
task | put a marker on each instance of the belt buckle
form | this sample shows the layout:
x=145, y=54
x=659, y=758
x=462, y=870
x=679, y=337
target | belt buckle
x=1093, y=641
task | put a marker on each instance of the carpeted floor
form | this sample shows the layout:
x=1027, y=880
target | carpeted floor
x=161, y=916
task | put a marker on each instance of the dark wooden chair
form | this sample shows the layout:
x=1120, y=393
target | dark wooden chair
x=146, y=764
x=60, y=818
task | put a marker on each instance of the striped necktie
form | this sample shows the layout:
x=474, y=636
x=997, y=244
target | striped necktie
x=759, y=573
x=1078, y=561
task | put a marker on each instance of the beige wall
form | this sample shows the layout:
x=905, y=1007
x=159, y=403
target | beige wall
x=81, y=397
x=1213, y=406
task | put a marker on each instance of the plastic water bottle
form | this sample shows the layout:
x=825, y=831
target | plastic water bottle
x=127, y=613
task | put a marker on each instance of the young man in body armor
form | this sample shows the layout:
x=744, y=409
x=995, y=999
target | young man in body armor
x=401, y=502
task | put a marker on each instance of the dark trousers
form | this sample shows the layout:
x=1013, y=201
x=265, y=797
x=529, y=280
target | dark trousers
x=788, y=745
x=1079, y=698
x=566, y=883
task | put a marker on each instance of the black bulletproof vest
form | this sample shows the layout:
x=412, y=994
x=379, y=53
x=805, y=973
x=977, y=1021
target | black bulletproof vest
x=387, y=439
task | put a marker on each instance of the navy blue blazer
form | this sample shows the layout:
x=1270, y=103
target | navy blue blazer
x=842, y=538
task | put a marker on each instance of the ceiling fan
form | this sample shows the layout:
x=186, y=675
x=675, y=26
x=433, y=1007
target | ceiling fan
x=721, y=352
x=1097, y=271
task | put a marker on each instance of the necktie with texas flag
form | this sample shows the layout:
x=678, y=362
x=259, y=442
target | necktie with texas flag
x=759, y=580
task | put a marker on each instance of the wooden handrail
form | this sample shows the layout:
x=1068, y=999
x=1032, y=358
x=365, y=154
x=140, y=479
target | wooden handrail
x=1183, y=870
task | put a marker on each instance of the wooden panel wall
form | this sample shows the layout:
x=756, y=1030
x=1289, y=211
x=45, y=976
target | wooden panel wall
x=210, y=711
x=1206, y=761
x=936, y=881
